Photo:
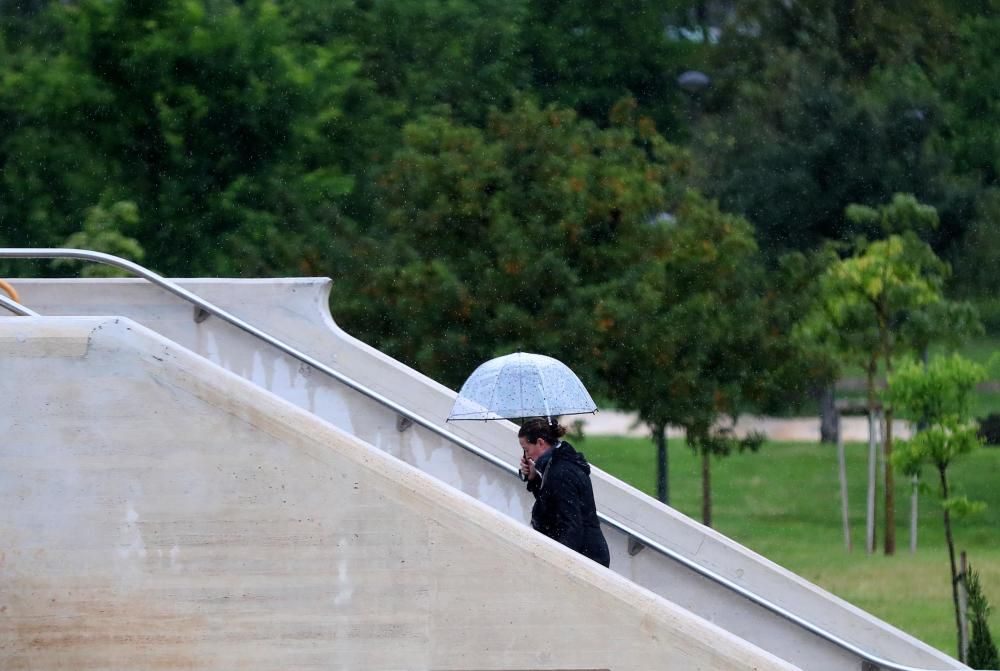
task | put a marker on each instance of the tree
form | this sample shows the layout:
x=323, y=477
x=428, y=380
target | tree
x=865, y=36
x=680, y=334
x=818, y=148
x=491, y=234
x=844, y=109
x=587, y=55
x=885, y=300
x=979, y=251
x=419, y=55
x=211, y=117
x=969, y=111
x=939, y=393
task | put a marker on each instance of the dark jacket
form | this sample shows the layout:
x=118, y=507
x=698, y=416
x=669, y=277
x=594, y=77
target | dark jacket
x=564, y=507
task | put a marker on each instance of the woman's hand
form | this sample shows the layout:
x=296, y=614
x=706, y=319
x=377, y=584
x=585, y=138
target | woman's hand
x=528, y=468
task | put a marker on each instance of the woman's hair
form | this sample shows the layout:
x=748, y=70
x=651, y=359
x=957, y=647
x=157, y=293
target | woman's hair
x=540, y=427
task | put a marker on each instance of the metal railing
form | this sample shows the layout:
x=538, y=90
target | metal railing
x=16, y=307
x=139, y=271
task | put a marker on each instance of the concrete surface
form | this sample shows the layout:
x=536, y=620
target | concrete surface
x=614, y=423
x=296, y=312
x=158, y=512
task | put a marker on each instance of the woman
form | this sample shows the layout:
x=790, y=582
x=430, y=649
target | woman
x=559, y=478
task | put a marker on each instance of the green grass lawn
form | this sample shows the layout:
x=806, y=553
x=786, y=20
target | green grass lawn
x=783, y=503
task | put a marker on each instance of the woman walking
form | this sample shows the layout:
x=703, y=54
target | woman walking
x=559, y=478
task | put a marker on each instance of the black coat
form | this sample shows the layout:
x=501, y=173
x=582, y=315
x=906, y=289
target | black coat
x=564, y=507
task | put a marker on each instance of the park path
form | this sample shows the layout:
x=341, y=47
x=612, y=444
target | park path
x=614, y=423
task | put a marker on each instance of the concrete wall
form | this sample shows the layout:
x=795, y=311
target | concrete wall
x=296, y=312
x=157, y=512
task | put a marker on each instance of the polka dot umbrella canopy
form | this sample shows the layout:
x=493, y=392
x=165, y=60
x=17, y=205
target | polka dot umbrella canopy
x=521, y=385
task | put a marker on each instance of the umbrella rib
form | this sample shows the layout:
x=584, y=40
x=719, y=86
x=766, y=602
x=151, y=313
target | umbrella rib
x=545, y=397
x=491, y=407
x=520, y=388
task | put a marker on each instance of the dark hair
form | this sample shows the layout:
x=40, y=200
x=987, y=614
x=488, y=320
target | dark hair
x=541, y=427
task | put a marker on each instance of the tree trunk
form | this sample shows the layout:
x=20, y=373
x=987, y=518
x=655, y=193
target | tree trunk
x=890, y=490
x=915, y=479
x=890, y=493
x=706, y=487
x=662, y=464
x=872, y=482
x=963, y=608
x=842, y=472
x=954, y=567
x=829, y=418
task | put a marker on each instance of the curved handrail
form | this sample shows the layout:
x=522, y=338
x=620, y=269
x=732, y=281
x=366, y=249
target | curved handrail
x=11, y=291
x=136, y=269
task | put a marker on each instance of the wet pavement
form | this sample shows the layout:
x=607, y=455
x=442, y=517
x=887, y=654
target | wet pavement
x=613, y=423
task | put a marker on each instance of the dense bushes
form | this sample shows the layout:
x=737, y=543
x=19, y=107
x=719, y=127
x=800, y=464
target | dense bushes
x=989, y=429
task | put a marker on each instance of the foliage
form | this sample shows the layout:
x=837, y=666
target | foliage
x=969, y=129
x=419, y=56
x=681, y=335
x=678, y=331
x=982, y=650
x=797, y=365
x=587, y=55
x=938, y=445
x=494, y=234
x=844, y=110
x=104, y=230
x=989, y=429
x=885, y=300
x=939, y=394
x=342, y=138
x=977, y=255
x=207, y=115
x=864, y=36
x=904, y=213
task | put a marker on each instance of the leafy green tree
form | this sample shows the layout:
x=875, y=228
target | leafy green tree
x=978, y=254
x=587, y=55
x=210, y=116
x=865, y=36
x=458, y=59
x=885, y=300
x=421, y=55
x=842, y=112
x=492, y=233
x=839, y=328
x=680, y=334
x=939, y=394
x=971, y=110
x=815, y=150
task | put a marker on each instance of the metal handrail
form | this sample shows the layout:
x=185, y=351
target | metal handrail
x=16, y=307
x=136, y=269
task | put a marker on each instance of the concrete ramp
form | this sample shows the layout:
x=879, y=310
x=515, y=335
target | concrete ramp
x=296, y=312
x=159, y=512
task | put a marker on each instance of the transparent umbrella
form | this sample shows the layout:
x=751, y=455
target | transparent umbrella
x=521, y=385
